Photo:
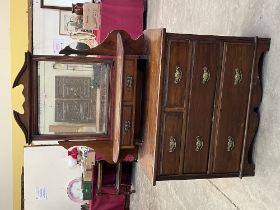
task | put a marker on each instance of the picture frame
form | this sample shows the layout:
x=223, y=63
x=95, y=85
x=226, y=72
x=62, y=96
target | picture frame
x=61, y=4
x=65, y=17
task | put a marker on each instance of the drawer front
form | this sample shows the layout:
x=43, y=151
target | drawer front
x=129, y=80
x=178, y=59
x=171, y=143
x=202, y=91
x=127, y=126
x=235, y=83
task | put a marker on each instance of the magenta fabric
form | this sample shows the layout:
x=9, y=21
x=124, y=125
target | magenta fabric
x=109, y=202
x=120, y=15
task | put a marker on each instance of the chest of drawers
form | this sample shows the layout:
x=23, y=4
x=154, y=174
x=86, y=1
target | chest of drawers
x=202, y=99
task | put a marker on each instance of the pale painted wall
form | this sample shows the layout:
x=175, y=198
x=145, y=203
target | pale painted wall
x=48, y=167
x=261, y=192
x=46, y=29
x=6, y=184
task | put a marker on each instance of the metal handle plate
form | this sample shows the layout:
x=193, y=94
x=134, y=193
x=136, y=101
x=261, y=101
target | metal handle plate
x=127, y=125
x=178, y=75
x=230, y=144
x=172, y=144
x=206, y=75
x=237, y=76
x=199, y=143
x=129, y=81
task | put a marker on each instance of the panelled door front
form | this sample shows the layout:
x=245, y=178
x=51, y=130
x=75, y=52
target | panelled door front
x=202, y=91
x=233, y=100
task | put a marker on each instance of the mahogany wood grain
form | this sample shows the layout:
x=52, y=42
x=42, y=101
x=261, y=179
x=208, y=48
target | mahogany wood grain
x=155, y=48
x=108, y=46
x=201, y=104
x=233, y=100
x=177, y=65
x=170, y=144
x=118, y=98
x=23, y=78
x=127, y=126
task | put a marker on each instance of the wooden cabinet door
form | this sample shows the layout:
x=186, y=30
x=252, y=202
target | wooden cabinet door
x=233, y=100
x=201, y=102
x=171, y=144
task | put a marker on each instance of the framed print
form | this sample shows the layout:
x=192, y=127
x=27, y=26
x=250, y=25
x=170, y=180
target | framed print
x=69, y=23
x=61, y=4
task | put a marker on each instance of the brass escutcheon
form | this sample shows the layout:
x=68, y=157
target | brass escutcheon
x=178, y=75
x=237, y=76
x=129, y=81
x=206, y=75
x=172, y=144
x=230, y=144
x=199, y=143
x=127, y=125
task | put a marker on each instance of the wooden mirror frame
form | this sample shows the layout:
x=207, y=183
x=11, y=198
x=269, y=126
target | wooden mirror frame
x=28, y=77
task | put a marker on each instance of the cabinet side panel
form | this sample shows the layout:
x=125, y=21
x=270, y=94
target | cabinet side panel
x=234, y=90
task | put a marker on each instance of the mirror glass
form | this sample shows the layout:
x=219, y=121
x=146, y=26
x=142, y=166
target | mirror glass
x=73, y=97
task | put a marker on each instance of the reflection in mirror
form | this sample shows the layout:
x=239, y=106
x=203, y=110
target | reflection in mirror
x=73, y=97
x=79, y=46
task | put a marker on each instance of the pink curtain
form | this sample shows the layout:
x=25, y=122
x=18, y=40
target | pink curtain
x=121, y=15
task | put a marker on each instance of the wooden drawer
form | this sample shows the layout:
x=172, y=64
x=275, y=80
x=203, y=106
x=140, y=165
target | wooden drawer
x=235, y=83
x=178, y=62
x=171, y=144
x=127, y=126
x=129, y=83
x=202, y=91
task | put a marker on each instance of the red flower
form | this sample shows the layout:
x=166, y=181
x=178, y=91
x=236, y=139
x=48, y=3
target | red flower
x=74, y=153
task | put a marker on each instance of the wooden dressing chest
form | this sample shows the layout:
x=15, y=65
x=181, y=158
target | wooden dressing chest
x=201, y=112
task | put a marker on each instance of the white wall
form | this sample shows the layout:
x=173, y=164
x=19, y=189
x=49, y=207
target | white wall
x=47, y=166
x=6, y=184
x=46, y=29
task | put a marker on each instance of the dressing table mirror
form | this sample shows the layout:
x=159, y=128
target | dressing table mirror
x=88, y=97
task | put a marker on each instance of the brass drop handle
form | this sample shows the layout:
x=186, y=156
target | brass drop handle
x=230, y=144
x=129, y=81
x=127, y=125
x=172, y=144
x=206, y=75
x=237, y=76
x=178, y=75
x=198, y=144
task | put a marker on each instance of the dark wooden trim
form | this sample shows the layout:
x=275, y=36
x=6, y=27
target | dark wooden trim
x=248, y=166
x=108, y=46
x=54, y=7
x=200, y=176
x=24, y=79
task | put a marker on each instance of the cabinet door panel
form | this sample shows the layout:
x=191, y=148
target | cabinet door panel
x=202, y=91
x=129, y=80
x=178, y=63
x=127, y=126
x=171, y=144
x=235, y=84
